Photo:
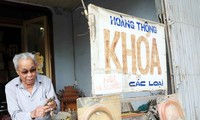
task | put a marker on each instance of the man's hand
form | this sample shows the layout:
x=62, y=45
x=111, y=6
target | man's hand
x=52, y=105
x=40, y=111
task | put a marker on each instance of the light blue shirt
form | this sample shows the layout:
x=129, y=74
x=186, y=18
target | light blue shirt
x=20, y=102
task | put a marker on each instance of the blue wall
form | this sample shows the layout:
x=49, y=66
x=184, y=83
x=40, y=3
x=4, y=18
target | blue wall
x=63, y=48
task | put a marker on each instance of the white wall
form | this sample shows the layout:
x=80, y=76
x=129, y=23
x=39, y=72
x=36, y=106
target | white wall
x=184, y=29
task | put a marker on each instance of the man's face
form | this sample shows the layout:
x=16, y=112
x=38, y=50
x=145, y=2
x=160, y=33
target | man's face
x=27, y=71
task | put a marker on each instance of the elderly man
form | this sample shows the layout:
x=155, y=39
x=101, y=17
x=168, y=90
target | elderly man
x=27, y=94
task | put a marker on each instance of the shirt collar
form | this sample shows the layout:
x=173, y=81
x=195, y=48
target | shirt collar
x=19, y=83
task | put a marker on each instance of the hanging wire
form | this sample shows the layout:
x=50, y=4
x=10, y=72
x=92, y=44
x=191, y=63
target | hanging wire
x=85, y=10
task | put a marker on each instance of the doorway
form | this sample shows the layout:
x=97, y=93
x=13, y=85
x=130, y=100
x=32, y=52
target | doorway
x=23, y=28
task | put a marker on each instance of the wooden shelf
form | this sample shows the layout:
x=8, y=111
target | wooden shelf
x=69, y=97
x=128, y=115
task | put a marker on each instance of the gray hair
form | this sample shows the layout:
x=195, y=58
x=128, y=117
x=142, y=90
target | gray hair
x=25, y=55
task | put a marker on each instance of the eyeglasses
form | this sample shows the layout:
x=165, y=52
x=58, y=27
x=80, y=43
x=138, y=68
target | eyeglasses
x=32, y=70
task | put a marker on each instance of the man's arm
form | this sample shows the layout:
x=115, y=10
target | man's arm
x=51, y=94
x=13, y=107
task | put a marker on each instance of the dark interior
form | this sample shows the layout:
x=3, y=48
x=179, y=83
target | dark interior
x=20, y=12
x=11, y=15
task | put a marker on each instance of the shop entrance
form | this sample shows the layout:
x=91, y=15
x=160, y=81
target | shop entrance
x=23, y=28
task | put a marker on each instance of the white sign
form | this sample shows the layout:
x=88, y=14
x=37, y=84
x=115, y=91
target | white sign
x=127, y=53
